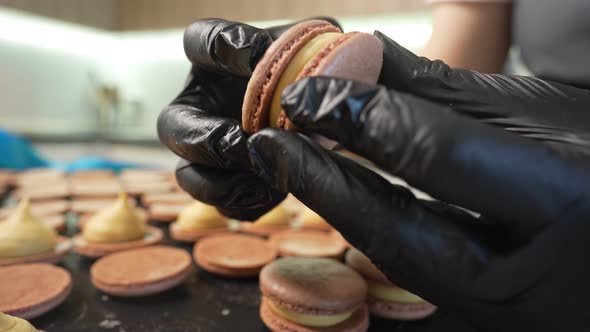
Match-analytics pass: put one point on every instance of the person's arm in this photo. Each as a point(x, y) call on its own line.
point(470, 35)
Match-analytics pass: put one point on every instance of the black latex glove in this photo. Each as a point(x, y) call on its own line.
point(203, 124)
point(515, 150)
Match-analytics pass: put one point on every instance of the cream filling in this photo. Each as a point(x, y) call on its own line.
point(310, 218)
point(13, 324)
point(301, 58)
point(24, 235)
point(199, 216)
point(120, 222)
point(392, 294)
point(310, 320)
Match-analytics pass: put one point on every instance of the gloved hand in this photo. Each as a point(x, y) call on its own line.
point(515, 150)
point(202, 125)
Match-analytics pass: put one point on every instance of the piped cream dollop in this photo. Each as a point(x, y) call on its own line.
point(199, 215)
point(14, 324)
point(120, 222)
point(23, 234)
point(309, 218)
point(279, 216)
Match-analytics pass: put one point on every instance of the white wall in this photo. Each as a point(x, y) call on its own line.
point(45, 69)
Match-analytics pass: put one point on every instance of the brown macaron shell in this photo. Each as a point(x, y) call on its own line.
point(141, 272)
point(313, 285)
point(345, 58)
point(169, 198)
point(400, 311)
point(192, 236)
point(234, 255)
point(61, 249)
point(358, 322)
point(165, 212)
point(94, 249)
point(268, 71)
point(30, 290)
point(262, 230)
point(308, 243)
point(363, 265)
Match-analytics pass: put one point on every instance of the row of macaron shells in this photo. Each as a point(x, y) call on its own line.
point(277, 224)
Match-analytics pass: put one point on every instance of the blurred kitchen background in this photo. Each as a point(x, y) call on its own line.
point(83, 78)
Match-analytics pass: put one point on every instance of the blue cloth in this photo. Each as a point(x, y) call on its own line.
point(18, 154)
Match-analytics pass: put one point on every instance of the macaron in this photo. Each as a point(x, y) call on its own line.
point(234, 255)
point(118, 227)
point(7, 178)
point(40, 208)
point(385, 299)
point(164, 212)
point(176, 198)
point(310, 48)
point(308, 243)
point(39, 175)
point(55, 256)
point(144, 188)
point(25, 238)
point(89, 205)
point(30, 290)
point(199, 220)
point(94, 174)
point(153, 235)
point(144, 175)
point(312, 295)
point(44, 191)
point(95, 188)
point(141, 272)
point(276, 220)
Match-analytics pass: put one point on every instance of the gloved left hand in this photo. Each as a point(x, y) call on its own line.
point(203, 123)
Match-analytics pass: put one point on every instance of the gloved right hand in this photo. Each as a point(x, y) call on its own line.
point(202, 124)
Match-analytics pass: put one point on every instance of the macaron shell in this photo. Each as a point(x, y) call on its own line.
point(30, 290)
point(268, 71)
point(308, 243)
point(354, 56)
point(89, 249)
point(261, 230)
point(320, 285)
point(358, 322)
point(165, 212)
point(400, 311)
point(62, 247)
point(141, 272)
point(192, 236)
point(234, 255)
point(363, 265)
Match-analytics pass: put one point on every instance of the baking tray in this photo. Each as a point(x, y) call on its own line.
point(203, 303)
